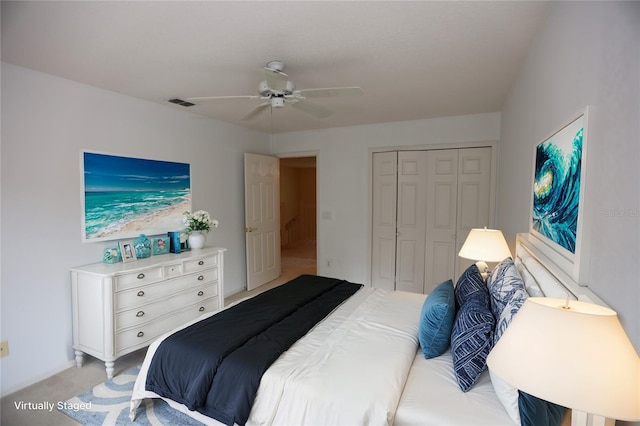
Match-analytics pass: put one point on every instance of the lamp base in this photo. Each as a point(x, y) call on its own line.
point(483, 268)
point(580, 418)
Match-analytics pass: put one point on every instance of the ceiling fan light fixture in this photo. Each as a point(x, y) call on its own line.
point(277, 102)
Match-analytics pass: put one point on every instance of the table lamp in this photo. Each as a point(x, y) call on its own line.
point(485, 245)
point(576, 355)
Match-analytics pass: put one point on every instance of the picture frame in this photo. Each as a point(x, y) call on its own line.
point(160, 245)
point(127, 251)
point(123, 197)
point(557, 215)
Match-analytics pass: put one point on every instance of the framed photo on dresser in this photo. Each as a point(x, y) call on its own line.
point(128, 251)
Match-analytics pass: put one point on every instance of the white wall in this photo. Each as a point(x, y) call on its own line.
point(46, 123)
point(586, 53)
point(343, 186)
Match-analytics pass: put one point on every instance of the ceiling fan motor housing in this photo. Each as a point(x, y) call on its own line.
point(265, 90)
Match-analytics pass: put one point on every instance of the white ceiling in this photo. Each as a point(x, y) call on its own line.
point(412, 59)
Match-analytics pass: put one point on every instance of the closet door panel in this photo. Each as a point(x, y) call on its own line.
point(474, 183)
point(383, 250)
point(441, 213)
point(411, 221)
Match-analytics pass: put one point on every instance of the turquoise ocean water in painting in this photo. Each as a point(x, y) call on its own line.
point(108, 211)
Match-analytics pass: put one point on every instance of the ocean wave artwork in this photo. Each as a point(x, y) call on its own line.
point(125, 197)
point(556, 188)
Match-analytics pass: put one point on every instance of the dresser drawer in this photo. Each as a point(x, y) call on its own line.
point(200, 264)
point(151, 311)
point(139, 278)
point(130, 299)
point(143, 335)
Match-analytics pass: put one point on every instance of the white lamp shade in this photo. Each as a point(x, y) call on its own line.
point(485, 244)
point(579, 358)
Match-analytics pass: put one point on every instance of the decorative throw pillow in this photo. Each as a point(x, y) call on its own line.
point(515, 302)
point(502, 283)
point(535, 411)
point(470, 284)
point(507, 395)
point(471, 341)
point(436, 320)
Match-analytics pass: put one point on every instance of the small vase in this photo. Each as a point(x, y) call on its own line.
point(142, 246)
point(196, 239)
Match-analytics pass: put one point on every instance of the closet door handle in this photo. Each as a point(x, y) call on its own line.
point(201, 309)
point(140, 276)
point(140, 293)
point(140, 333)
point(140, 314)
point(201, 293)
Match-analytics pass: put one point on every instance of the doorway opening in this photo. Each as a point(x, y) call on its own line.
point(298, 227)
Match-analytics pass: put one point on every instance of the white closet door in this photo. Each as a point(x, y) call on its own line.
point(474, 192)
point(411, 222)
point(441, 214)
point(383, 250)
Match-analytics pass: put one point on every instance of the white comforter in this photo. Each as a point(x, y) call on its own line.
point(350, 369)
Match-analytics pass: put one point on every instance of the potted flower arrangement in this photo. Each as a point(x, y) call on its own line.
point(196, 225)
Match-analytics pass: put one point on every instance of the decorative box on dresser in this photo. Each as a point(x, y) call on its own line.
point(122, 307)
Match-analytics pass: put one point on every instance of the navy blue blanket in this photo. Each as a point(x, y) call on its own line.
point(215, 366)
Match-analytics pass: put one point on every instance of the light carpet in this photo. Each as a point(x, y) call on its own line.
point(108, 404)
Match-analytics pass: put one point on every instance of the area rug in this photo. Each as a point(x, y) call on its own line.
point(108, 404)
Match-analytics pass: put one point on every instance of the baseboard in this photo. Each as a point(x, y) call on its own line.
point(38, 378)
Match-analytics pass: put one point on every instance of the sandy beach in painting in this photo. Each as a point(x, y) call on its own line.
point(169, 219)
point(158, 221)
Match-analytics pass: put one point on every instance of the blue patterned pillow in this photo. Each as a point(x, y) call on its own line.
point(502, 283)
point(436, 320)
point(471, 341)
point(470, 284)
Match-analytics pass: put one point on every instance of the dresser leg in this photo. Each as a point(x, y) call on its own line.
point(79, 358)
point(109, 365)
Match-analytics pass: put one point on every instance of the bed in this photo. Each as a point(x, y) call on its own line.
point(366, 362)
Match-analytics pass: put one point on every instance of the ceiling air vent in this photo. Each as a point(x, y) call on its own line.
point(181, 102)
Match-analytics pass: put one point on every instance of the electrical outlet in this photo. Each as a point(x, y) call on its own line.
point(4, 348)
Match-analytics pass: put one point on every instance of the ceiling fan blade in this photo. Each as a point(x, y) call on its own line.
point(257, 110)
point(330, 92)
point(276, 80)
point(220, 98)
point(315, 110)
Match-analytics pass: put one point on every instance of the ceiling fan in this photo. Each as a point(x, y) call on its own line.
point(276, 91)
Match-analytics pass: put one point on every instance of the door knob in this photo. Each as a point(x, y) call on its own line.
point(250, 229)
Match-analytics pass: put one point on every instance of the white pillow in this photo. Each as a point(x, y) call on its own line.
point(508, 396)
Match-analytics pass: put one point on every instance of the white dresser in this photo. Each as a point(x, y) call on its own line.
point(122, 307)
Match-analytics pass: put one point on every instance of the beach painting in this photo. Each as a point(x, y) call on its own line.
point(124, 197)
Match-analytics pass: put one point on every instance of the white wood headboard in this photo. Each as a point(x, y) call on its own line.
point(529, 246)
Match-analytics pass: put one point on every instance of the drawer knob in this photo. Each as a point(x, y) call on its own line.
point(140, 293)
point(140, 276)
point(140, 333)
point(201, 293)
point(201, 263)
point(140, 314)
point(201, 309)
point(201, 277)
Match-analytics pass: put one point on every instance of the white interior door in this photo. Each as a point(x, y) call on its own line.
point(410, 242)
point(262, 218)
point(383, 247)
point(474, 192)
point(442, 199)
